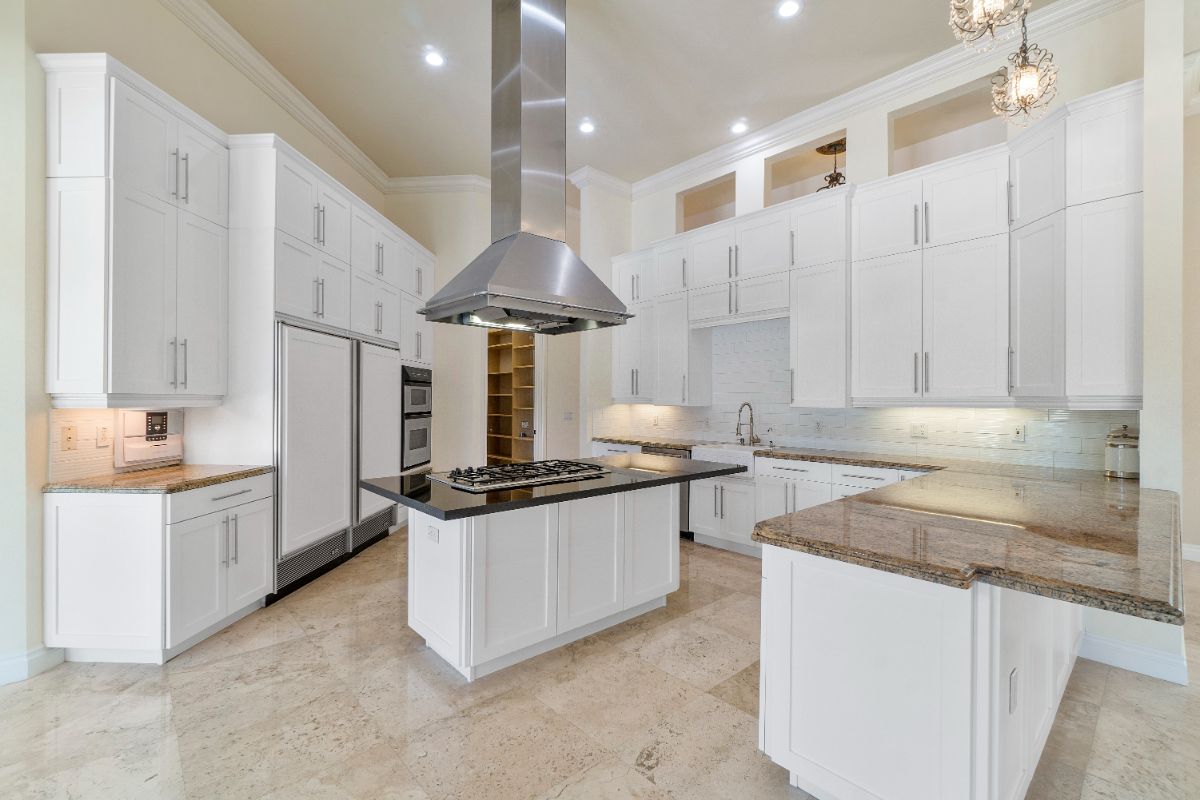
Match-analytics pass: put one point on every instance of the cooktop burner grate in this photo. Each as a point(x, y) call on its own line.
point(512, 476)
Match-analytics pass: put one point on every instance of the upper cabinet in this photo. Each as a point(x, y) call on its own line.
point(670, 268)
point(1104, 145)
point(764, 244)
point(1037, 172)
point(631, 276)
point(310, 208)
point(137, 245)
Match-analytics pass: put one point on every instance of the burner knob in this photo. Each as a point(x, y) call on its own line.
point(456, 472)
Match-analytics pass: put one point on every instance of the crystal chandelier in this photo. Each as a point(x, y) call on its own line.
point(984, 23)
point(1022, 92)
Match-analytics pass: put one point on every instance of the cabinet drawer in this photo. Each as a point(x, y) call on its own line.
point(863, 477)
point(793, 470)
point(840, 492)
point(218, 497)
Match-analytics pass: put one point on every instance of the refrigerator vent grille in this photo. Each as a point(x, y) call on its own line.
point(371, 527)
point(296, 566)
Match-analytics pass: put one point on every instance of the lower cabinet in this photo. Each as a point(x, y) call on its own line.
point(723, 510)
point(774, 497)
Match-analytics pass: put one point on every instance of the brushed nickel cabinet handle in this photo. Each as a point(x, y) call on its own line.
point(232, 494)
point(317, 223)
point(187, 177)
point(916, 384)
point(926, 222)
point(1011, 382)
point(716, 513)
point(792, 245)
point(862, 477)
point(792, 385)
point(174, 345)
point(729, 263)
point(225, 560)
point(722, 502)
point(183, 345)
point(926, 371)
point(916, 224)
point(790, 469)
point(236, 539)
point(683, 271)
point(1010, 204)
point(175, 155)
point(737, 259)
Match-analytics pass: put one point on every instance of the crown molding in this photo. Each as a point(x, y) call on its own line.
point(1063, 15)
point(438, 183)
point(1191, 83)
point(585, 177)
point(233, 47)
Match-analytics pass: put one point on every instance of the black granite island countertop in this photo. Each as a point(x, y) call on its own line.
point(627, 472)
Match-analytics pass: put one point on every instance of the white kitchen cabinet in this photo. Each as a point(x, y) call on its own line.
point(423, 276)
point(204, 180)
point(365, 241)
point(379, 422)
point(651, 542)
point(763, 244)
point(297, 289)
point(314, 457)
point(613, 448)
point(711, 249)
point(1104, 301)
point(297, 211)
point(819, 331)
point(335, 221)
point(722, 513)
point(1037, 301)
point(202, 307)
point(397, 258)
point(966, 320)
point(711, 304)
point(333, 291)
point(1037, 171)
point(775, 497)
point(886, 218)
point(670, 265)
point(591, 560)
point(374, 308)
point(819, 229)
point(683, 360)
point(138, 578)
point(633, 353)
point(886, 326)
point(966, 198)
point(1104, 145)
point(762, 297)
point(416, 332)
point(631, 275)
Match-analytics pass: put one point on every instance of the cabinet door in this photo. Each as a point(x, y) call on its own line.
point(887, 218)
point(625, 350)
point(335, 221)
point(314, 451)
point(422, 274)
point(1037, 173)
point(1104, 298)
point(711, 256)
point(1104, 149)
point(711, 303)
point(334, 275)
point(364, 304)
point(737, 510)
point(806, 494)
point(762, 296)
point(591, 559)
point(365, 252)
point(144, 144)
point(204, 175)
point(1037, 260)
point(966, 319)
point(671, 350)
point(297, 290)
point(424, 342)
point(772, 497)
point(389, 312)
point(514, 581)
point(197, 555)
point(763, 244)
point(819, 233)
point(379, 422)
point(886, 326)
point(670, 270)
point(252, 558)
point(704, 507)
point(202, 305)
point(819, 336)
point(966, 200)
point(624, 279)
point(410, 327)
point(395, 258)
point(143, 354)
point(651, 544)
point(643, 353)
point(296, 208)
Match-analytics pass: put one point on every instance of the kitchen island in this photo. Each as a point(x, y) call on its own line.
point(917, 638)
point(498, 577)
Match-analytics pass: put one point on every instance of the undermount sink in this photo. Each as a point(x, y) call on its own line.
point(742, 454)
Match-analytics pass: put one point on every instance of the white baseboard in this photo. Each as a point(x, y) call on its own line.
point(1135, 658)
point(1191, 552)
point(26, 665)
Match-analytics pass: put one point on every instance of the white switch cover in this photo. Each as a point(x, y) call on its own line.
point(1019, 433)
point(918, 430)
point(68, 438)
point(656, 420)
point(103, 436)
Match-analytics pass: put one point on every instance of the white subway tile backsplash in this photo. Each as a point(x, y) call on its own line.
point(750, 363)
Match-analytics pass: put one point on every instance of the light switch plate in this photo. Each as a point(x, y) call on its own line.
point(68, 438)
point(918, 430)
point(103, 436)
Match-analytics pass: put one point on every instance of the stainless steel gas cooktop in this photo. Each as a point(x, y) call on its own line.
point(515, 476)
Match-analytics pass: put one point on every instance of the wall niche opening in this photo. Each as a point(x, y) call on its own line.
point(801, 170)
point(947, 125)
point(705, 204)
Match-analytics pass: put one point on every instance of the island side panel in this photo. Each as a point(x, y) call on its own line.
point(651, 544)
point(437, 585)
point(591, 560)
point(868, 679)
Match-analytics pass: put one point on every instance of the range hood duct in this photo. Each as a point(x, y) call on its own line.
point(528, 278)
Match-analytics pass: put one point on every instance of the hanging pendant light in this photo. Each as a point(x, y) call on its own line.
point(834, 178)
point(1022, 91)
point(984, 23)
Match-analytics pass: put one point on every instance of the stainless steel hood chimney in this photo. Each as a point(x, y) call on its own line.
point(528, 279)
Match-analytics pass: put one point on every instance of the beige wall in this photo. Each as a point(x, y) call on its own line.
point(1191, 330)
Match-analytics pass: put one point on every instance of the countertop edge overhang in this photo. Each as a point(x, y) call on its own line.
point(158, 480)
point(698, 470)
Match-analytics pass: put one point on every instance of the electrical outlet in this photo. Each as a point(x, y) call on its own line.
point(918, 430)
point(1019, 433)
point(568, 416)
point(818, 426)
point(103, 436)
point(656, 420)
point(67, 438)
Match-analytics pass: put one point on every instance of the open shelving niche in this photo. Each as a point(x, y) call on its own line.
point(511, 383)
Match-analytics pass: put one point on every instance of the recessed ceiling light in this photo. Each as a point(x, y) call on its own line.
point(788, 8)
point(587, 126)
point(739, 127)
point(433, 58)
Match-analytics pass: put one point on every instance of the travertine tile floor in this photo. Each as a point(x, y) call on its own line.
point(327, 694)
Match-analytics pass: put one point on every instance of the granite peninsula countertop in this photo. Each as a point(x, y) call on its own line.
point(627, 472)
point(162, 480)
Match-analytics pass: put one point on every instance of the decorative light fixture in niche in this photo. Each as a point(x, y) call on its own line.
point(1021, 92)
point(834, 149)
point(982, 24)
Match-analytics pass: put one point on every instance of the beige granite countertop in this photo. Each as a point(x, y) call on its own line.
point(163, 480)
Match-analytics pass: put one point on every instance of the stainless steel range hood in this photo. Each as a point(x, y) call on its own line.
point(528, 278)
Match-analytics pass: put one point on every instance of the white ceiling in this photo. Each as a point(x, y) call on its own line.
point(663, 79)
